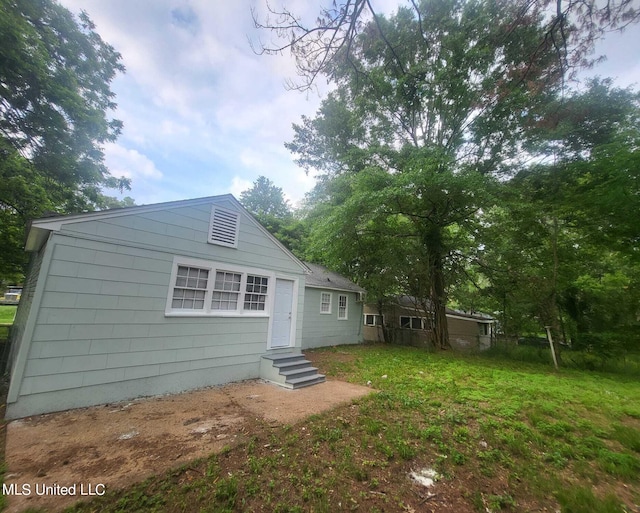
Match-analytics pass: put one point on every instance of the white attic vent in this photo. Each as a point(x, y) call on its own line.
point(224, 227)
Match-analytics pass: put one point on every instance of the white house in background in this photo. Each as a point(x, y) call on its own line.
point(164, 298)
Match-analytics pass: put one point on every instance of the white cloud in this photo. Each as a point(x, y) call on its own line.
point(129, 163)
point(239, 185)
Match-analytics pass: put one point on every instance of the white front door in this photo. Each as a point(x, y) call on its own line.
point(282, 314)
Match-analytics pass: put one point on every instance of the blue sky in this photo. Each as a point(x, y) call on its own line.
point(203, 114)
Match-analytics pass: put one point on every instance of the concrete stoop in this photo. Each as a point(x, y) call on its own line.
point(289, 370)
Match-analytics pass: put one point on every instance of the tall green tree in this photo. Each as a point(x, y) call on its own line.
point(439, 96)
point(433, 100)
point(55, 96)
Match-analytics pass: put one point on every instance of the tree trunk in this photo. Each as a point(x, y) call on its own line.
point(434, 250)
point(554, 309)
point(439, 301)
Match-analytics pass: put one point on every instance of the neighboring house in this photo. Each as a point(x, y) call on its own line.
point(407, 323)
point(12, 295)
point(160, 299)
point(333, 308)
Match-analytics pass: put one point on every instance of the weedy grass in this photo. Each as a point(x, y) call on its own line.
point(502, 435)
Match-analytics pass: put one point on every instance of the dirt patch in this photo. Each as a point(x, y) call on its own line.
point(111, 446)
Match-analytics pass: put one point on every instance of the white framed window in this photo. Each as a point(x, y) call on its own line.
point(325, 302)
point(224, 227)
point(200, 287)
point(255, 297)
point(226, 291)
point(342, 307)
point(373, 320)
point(190, 288)
point(412, 323)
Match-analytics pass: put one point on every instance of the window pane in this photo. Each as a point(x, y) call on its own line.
point(405, 322)
point(416, 323)
point(227, 281)
point(224, 301)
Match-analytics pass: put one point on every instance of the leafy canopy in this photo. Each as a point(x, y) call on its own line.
point(55, 100)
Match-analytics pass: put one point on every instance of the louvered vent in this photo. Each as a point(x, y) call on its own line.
point(223, 229)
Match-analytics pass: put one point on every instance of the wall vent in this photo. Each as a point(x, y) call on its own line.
point(224, 227)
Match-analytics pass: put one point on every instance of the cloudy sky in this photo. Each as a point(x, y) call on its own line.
point(203, 114)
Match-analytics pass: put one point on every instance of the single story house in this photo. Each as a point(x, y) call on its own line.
point(333, 309)
point(164, 298)
point(406, 322)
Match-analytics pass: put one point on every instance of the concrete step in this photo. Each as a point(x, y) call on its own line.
point(298, 373)
point(283, 357)
point(291, 365)
point(290, 370)
point(306, 381)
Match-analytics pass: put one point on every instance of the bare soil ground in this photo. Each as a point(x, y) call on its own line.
point(116, 445)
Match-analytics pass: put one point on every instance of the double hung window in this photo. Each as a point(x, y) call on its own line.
point(226, 291)
point(256, 292)
point(325, 303)
point(342, 308)
point(190, 288)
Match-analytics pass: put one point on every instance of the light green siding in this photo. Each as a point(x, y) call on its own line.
point(321, 330)
point(100, 334)
point(182, 230)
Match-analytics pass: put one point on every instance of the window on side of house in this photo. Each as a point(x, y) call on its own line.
point(372, 320)
point(209, 288)
point(226, 291)
point(342, 307)
point(255, 297)
point(412, 323)
point(190, 288)
point(325, 302)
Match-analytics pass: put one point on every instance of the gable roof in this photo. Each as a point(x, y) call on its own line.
point(322, 278)
point(39, 229)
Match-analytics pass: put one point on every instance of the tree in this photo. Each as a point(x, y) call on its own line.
point(435, 100)
point(55, 73)
point(439, 93)
point(267, 203)
point(570, 29)
point(263, 198)
point(561, 249)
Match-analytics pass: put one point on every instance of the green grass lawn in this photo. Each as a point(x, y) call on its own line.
point(501, 436)
point(7, 312)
